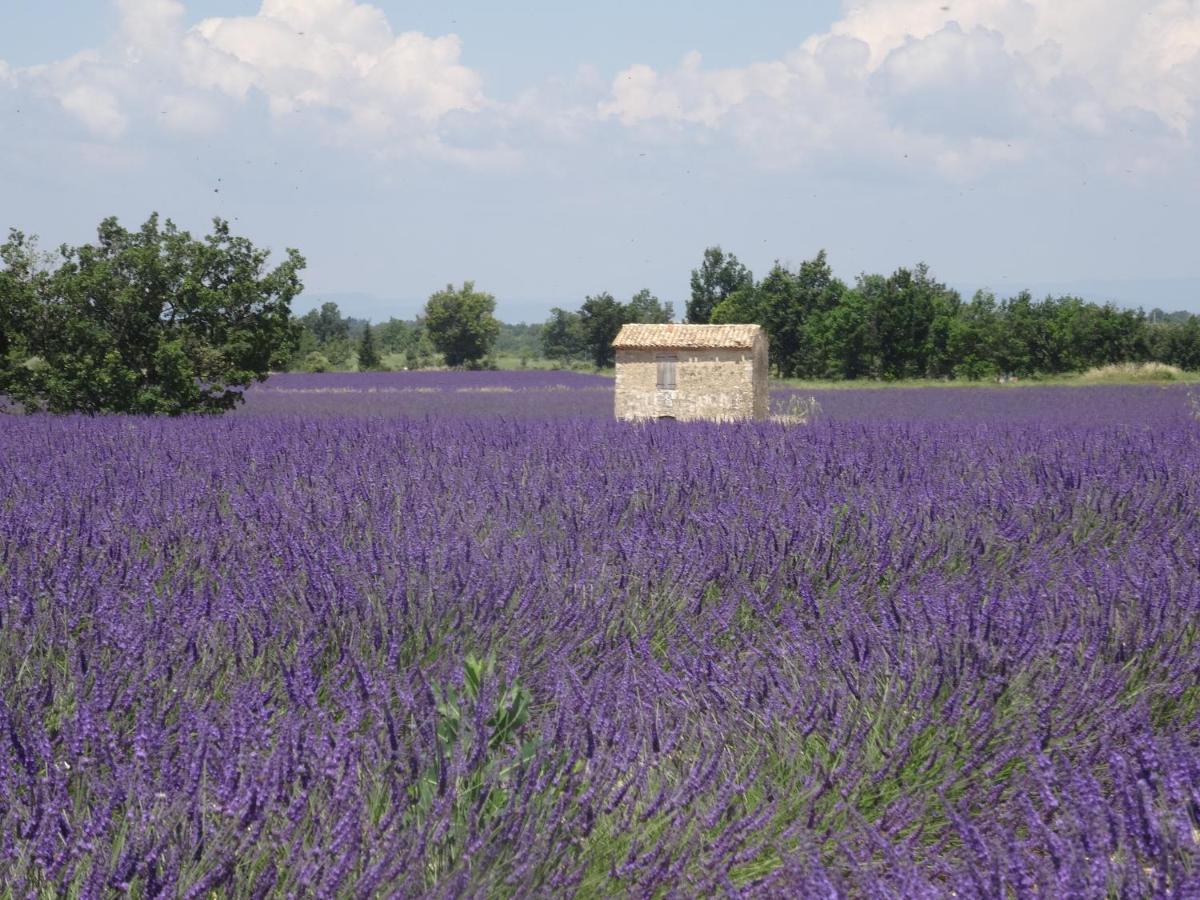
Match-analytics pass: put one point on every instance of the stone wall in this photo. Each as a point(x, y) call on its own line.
point(762, 379)
point(720, 385)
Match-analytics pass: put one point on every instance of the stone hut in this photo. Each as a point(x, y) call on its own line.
point(715, 372)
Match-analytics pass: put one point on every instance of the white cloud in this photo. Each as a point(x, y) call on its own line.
point(332, 65)
point(960, 87)
point(1131, 54)
point(336, 56)
point(192, 113)
point(97, 108)
point(87, 88)
point(694, 95)
point(965, 85)
point(561, 109)
point(150, 26)
point(958, 83)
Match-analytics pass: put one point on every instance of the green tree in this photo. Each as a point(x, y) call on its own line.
point(1183, 343)
point(304, 345)
point(461, 324)
point(315, 362)
point(395, 335)
point(148, 321)
point(369, 359)
point(520, 339)
point(1174, 338)
point(1095, 335)
point(562, 336)
point(720, 275)
point(600, 318)
point(779, 313)
point(327, 323)
point(407, 338)
point(337, 351)
point(24, 281)
point(791, 306)
point(972, 338)
point(644, 307)
point(944, 307)
point(849, 337)
point(1031, 338)
point(742, 307)
point(420, 354)
point(903, 309)
point(816, 291)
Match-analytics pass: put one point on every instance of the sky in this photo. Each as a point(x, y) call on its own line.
point(549, 151)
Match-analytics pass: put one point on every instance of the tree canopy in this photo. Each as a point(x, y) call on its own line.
point(600, 318)
point(562, 336)
point(909, 325)
point(461, 325)
point(146, 321)
point(327, 323)
point(645, 308)
point(368, 354)
point(720, 275)
point(588, 333)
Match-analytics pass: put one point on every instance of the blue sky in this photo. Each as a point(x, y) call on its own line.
point(549, 150)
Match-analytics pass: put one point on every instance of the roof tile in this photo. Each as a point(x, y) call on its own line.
point(687, 337)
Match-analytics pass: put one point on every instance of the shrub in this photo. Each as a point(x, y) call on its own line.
point(316, 362)
point(1140, 372)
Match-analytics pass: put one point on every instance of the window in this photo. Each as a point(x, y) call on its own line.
point(666, 372)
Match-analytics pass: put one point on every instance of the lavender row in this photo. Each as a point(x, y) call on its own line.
point(338, 656)
point(558, 395)
point(511, 395)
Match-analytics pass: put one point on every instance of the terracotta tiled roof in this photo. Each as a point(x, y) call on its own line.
point(687, 337)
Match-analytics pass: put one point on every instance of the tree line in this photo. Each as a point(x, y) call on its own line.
point(910, 325)
point(458, 331)
point(156, 321)
point(899, 326)
point(457, 328)
point(903, 325)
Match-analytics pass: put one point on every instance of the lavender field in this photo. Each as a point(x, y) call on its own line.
point(463, 635)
